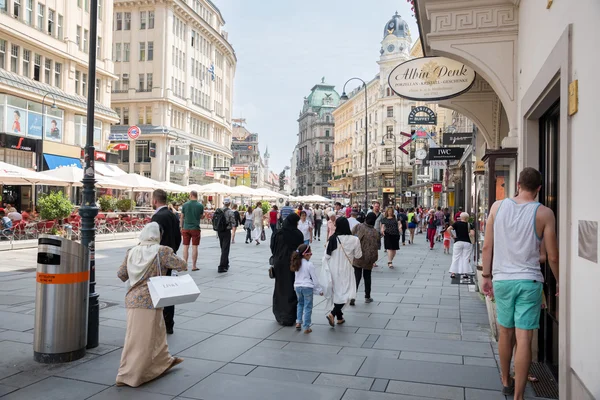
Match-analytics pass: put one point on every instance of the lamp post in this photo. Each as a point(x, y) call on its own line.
point(40, 159)
point(88, 210)
point(344, 97)
point(390, 134)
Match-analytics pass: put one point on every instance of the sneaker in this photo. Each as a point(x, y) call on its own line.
point(368, 300)
point(352, 302)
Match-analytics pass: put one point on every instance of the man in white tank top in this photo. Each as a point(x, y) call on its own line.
point(514, 234)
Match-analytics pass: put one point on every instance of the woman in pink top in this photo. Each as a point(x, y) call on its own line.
point(330, 224)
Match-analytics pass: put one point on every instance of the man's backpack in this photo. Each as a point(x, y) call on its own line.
point(219, 221)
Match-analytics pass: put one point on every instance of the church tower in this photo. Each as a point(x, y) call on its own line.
point(266, 157)
point(395, 47)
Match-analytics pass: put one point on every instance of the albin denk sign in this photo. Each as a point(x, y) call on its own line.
point(431, 78)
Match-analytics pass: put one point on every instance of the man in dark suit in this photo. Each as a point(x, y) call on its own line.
point(171, 237)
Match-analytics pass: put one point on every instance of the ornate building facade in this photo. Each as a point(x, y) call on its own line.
point(314, 151)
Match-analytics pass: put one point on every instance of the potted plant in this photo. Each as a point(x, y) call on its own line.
point(125, 204)
point(54, 206)
point(107, 203)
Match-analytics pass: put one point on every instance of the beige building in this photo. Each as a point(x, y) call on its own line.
point(534, 103)
point(175, 71)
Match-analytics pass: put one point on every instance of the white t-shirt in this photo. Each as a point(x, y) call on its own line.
point(304, 228)
point(307, 277)
point(353, 222)
point(15, 216)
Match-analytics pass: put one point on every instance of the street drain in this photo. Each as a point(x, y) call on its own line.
point(546, 386)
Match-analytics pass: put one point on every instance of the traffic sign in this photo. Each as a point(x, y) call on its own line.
point(134, 132)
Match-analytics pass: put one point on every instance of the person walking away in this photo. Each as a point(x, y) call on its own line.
point(223, 221)
point(403, 219)
point(286, 210)
point(369, 244)
point(318, 222)
point(446, 232)
point(191, 214)
point(257, 216)
point(238, 221)
point(447, 216)
point(342, 249)
point(305, 285)
point(461, 253)
point(352, 220)
point(412, 225)
point(305, 226)
point(516, 230)
point(432, 223)
point(457, 214)
point(248, 224)
point(439, 215)
point(145, 353)
point(390, 230)
point(171, 237)
point(376, 208)
point(331, 224)
point(273, 218)
point(283, 244)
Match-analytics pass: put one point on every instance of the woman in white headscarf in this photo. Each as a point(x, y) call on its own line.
point(145, 353)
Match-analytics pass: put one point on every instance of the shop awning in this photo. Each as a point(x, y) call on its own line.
point(109, 170)
point(60, 161)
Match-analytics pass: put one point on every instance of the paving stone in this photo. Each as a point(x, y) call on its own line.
point(433, 335)
point(380, 385)
point(426, 390)
point(231, 387)
point(182, 377)
point(16, 322)
point(379, 332)
point(440, 346)
point(273, 344)
point(237, 369)
point(321, 335)
point(345, 381)
point(312, 348)
point(220, 348)
point(370, 352)
point(127, 393)
point(353, 394)
point(477, 394)
point(417, 312)
point(254, 328)
point(484, 362)
point(447, 327)
point(14, 336)
point(103, 369)
point(282, 374)
point(423, 326)
point(211, 323)
point(262, 299)
point(54, 388)
point(443, 358)
point(6, 389)
point(241, 309)
point(331, 363)
point(431, 372)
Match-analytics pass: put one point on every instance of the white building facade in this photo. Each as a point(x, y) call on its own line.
point(175, 71)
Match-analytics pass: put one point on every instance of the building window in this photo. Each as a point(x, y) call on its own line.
point(77, 81)
point(127, 24)
point(118, 111)
point(149, 82)
point(125, 82)
point(57, 72)
point(79, 3)
point(86, 35)
point(29, 12)
point(327, 133)
point(326, 148)
point(50, 22)
point(388, 155)
point(37, 67)
point(84, 82)
point(14, 58)
point(141, 83)
point(389, 130)
point(47, 71)
point(150, 51)
point(59, 26)
point(26, 60)
point(126, 52)
point(142, 51)
point(150, 19)
point(143, 21)
point(149, 115)
point(117, 55)
point(116, 84)
point(390, 111)
point(119, 24)
point(142, 153)
point(40, 16)
point(141, 116)
point(98, 85)
point(78, 37)
point(100, 9)
point(2, 53)
point(99, 48)
point(125, 115)
point(17, 8)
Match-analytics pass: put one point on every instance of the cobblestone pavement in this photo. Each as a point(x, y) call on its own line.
point(421, 338)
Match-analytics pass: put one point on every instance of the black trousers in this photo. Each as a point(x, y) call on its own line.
point(337, 311)
point(403, 235)
point(248, 235)
point(225, 241)
point(318, 224)
point(169, 311)
point(366, 273)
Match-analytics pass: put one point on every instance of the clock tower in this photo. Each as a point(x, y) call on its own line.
point(395, 46)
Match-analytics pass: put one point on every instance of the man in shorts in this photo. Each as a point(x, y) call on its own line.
point(191, 214)
point(513, 238)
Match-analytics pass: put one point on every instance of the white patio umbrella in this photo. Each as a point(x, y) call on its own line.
point(139, 183)
point(13, 175)
point(267, 194)
point(244, 191)
point(215, 188)
point(74, 175)
point(173, 187)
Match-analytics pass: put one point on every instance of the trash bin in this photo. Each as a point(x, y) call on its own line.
point(61, 302)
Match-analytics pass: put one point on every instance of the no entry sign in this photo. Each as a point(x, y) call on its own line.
point(134, 132)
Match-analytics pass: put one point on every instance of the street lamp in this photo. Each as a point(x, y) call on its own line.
point(390, 134)
point(344, 97)
point(88, 210)
point(40, 160)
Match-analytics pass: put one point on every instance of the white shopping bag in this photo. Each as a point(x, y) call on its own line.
point(172, 290)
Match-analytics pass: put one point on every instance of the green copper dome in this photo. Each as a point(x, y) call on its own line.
point(323, 95)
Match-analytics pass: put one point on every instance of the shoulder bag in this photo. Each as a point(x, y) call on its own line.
point(344, 251)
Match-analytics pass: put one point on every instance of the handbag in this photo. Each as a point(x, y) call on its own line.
point(271, 268)
point(171, 290)
point(344, 251)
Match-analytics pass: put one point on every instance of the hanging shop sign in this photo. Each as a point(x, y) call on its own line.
point(446, 153)
point(388, 190)
point(438, 164)
point(17, 143)
point(431, 78)
point(422, 115)
point(118, 146)
point(221, 169)
point(457, 138)
point(117, 137)
point(134, 132)
point(437, 187)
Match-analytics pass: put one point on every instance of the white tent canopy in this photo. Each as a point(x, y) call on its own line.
point(242, 190)
point(74, 175)
point(13, 175)
point(213, 188)
point(139, 183)
point(172, 187)
point(110, 170)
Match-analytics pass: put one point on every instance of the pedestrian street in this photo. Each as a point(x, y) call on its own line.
point(422, 337)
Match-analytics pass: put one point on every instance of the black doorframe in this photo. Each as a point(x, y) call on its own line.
point(549, 134)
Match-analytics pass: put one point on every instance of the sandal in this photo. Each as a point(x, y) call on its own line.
point(176, 361)
point(452, 276)
point(510, 389)
point(341, 321)
point(532, 378)
point(298, 327)
point(307, 331)
point(390, 265)
point(195, 269)
point(330, 319)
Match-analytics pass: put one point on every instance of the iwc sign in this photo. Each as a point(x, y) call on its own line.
point(425, 116)
point(431, 78)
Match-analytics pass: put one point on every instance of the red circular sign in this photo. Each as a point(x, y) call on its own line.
point(134, 132)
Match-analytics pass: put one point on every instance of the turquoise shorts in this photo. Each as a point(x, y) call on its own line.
point(518, 303)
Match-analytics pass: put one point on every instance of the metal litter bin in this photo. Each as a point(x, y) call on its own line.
point(61, 302)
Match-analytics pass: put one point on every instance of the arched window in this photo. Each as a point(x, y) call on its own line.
point(327, 118)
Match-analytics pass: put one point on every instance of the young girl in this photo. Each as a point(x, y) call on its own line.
point(447, 238)
point(305, 284)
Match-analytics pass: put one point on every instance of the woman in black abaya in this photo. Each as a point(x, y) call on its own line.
point(283, 244)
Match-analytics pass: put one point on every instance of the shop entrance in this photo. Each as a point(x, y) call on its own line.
point(18, 196)
point(549, 167)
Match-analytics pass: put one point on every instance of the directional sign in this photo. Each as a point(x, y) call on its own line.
point(134, 132)
point(446, 153)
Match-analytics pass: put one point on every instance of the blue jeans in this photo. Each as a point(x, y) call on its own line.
point(305, 305)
